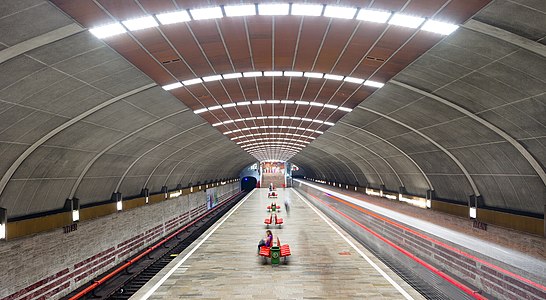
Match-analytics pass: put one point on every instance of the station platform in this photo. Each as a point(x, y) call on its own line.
point(326, 262)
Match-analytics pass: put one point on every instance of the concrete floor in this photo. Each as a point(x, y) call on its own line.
point(326, 263)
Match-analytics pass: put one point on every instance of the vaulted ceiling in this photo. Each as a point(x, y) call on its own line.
point(146, 104)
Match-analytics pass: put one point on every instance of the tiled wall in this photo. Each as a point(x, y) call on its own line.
point(51, 264)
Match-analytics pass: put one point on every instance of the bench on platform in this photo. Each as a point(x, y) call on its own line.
point(278, 220)
point(265, 251)
point(268, 221)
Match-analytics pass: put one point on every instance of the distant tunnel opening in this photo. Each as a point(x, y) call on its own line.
point(248, 183)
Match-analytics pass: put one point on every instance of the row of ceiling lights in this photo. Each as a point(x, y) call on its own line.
point(253, 74)
point(275, 118)
point(272, 133)
point(277, 9)
point(262, 102)
point(273, 127)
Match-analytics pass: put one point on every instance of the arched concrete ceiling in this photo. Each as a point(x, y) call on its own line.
point(84, 117)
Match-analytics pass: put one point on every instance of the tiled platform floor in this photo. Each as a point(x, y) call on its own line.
point(322, 266)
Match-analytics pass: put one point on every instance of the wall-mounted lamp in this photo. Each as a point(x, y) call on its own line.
point(146, 193)
point(472, 212)
point(116, 197)
point(74, 206)
point(3, 223)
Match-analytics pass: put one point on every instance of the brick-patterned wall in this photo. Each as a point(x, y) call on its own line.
point(51, 264)
point(456, 259)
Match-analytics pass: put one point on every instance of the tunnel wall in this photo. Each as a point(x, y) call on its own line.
point(51, 264)
point(449, 258)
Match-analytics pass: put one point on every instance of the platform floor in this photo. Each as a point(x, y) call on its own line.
point(326, 263)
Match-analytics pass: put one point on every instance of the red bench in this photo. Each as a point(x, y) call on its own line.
point(265, 252)
point(278, 221)
point(268, 221)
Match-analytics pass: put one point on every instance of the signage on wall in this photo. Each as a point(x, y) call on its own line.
point(70, 228)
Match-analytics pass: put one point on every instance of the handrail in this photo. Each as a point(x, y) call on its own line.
point(137, 258)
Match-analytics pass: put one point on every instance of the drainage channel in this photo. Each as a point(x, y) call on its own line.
point(128, 282)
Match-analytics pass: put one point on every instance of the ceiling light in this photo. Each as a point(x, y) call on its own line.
point(284, 117)
point(173, 17)
point(293, 73)
point(354, 80)
point(240, 10)
point(192, 81)
point(228, 121)
point(215, 107)
point(243, 103)
point(262, 117)
point(217, 124)
point(302, 103)
point(329, 123)
point(172, 86)
point(212, 78)
point(140, 23)
point(287, 102)
point(374, 83)
point(330, 106)
point(345, 109)
point(339, 12)
point(273, 101)
point(316, 104)
point(198, 111)
point(272, 73)
point(206, 13)
point(229, 105)
point(280, 9)
point(306, 119)
point(306, 9)
point(107, 30)
point(252, 74)
point(272, 117)
point(295, 118)
point(439, 27)
point(312, 75)
point(318, 121)
point(406, 21)
point(373, 16)
point(258, 102)
point(232, 75)
point(333, 77)
point(319, 132)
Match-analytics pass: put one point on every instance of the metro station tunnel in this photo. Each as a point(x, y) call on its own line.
point(228, 149)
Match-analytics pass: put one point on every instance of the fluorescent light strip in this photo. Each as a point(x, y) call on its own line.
point(171, 86)
point(375, 16)
point(406, 21)
point(192, 81)
point(339, 12)
point(280, 9)
point(173, 17)
point(206, 13)
point(306, 9)
point(439, 27)
point(140, 23)
point(240, 10)
point(374, 83)
point(109, 30)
